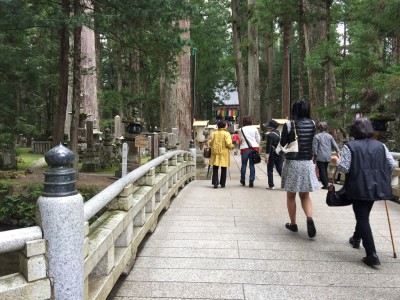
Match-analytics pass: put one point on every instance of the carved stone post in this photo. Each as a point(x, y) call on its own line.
point(60, 215)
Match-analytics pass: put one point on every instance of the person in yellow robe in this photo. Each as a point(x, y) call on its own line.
point(220, 144)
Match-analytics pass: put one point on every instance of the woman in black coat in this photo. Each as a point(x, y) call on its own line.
point(368, 166)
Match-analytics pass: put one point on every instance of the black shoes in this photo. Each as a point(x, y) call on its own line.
point(251, 184)
point(311, 227)
point(355, 242)
point(371, 260)
point(292, 227)
point(242, 182)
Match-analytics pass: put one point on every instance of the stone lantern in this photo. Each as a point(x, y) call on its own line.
point(133, 128)
point(199, 128)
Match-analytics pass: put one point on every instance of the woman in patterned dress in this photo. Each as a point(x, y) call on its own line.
point(298, 175)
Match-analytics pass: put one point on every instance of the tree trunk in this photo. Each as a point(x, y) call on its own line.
point(76, 102)
point(330, 83)
point(301, 51)
point(240, 73)
point(89, 76)
point(99, 72)
point(253, 65)
point(61, 107)
point(286, 76)
point(175, 104)
point(316, 29)
point(265, 108)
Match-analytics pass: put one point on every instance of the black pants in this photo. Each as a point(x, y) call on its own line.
point(222, 180)
point(323, 172)
point(274, 160)
point(362, 210)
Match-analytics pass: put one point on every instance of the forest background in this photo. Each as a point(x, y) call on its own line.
point(343, 56)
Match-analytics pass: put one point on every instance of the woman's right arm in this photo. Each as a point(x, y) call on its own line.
point(345, 160)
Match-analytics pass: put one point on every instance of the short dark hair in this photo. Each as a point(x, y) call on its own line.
point(300, 109)
point(247, 121)
point(361, 129)
point(221, 124)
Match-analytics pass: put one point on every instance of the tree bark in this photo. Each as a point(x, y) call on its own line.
point(61, 107)
point(286, 76)
point(316, 29)
point(253, 65)
point(240, 72)
point(76, 103)
point(89, 75)
point(175, 101)
point(330, 83)
point(301, 51)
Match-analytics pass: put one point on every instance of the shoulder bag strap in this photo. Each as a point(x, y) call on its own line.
point(246, 139)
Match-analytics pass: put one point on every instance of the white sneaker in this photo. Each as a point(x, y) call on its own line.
point(271, 188)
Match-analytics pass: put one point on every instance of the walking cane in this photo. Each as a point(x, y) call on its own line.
point(390, 229)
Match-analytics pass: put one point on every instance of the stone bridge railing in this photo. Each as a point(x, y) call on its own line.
point(65, 257)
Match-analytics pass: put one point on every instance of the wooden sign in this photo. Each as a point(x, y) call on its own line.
point(141, 141)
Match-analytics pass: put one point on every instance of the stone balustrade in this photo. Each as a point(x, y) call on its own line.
point(111, 242)
point(31, 282)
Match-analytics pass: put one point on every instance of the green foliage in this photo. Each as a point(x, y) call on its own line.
point(214, 65)
point(19, 209)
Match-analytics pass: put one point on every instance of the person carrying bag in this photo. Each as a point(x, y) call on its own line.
point(254, 155)
point(250, 134)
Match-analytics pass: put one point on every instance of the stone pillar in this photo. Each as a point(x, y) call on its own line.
point(117, 127)
point(60, 215)
point(192, 149)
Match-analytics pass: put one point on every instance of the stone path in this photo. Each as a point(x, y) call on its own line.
point(231, 244)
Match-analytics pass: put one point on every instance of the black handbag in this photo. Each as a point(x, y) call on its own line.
point(207, 152)
point(254, 155)
point(338, 198)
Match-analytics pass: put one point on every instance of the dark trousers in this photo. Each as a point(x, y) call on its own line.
point(323, 172)
point(274, 160)
point(222, 180)
point(363, 231)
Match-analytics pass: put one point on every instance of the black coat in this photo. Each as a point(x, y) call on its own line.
point(305, 129)
point(369, 176)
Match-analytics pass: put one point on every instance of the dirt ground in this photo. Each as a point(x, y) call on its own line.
point(35, 175)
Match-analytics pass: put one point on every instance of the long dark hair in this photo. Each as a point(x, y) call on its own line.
point(301, 109)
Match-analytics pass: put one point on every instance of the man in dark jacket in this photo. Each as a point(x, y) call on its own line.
point(271, 157)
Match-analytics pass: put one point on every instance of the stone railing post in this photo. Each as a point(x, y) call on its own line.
point(192, 149)
point(60, 215)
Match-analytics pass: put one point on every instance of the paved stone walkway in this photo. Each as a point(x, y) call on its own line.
point(231, 244)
